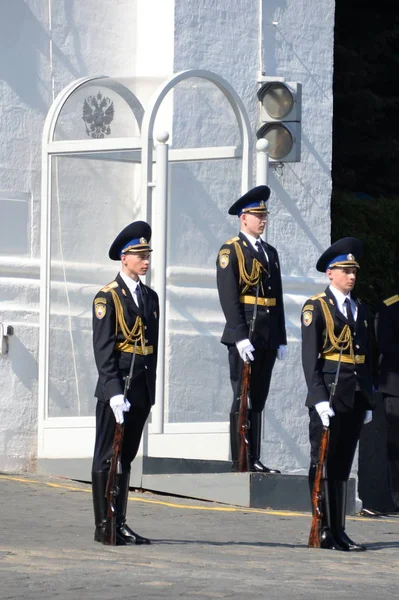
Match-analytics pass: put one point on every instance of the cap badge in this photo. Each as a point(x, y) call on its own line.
point(143, 240)
point(350, 257)
point(262, 204)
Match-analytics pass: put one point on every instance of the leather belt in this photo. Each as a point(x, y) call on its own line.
point(358, 359)
point(125, 347)
point(261, 301)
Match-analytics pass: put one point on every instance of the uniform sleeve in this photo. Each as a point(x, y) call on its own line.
point(104, 323)
point(227, 278)
point(156, 333)
point(312, 323)
point(385, 331)
point(280, 300)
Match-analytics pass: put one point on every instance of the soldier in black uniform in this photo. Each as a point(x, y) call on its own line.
point(387, 334)
point(124, 312)
point(246, 264)
point(333, 320)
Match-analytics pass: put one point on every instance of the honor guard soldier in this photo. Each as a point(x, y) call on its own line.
point(387, 334)
point(336, 335)
point(248, 273)
point(125, 318)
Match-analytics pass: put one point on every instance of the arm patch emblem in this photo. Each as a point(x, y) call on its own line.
point(100, 310)
point(223, 260)
point(307, 317)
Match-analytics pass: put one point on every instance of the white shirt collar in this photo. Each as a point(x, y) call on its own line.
point(131, 283)
point(340, 298)
point(252, 240)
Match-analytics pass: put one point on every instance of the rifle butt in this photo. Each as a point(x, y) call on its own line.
point(315, 534)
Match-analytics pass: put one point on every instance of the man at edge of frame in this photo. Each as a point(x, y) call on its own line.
point(333, 320)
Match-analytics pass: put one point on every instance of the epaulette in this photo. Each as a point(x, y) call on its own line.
point(321, 295)
point(110, 286)
point(234, 239)
point(392, 300)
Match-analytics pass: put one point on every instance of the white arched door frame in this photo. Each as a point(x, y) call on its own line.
point(244, 151)
point(57, 428)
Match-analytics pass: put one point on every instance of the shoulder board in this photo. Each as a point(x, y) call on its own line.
point(322, 295)
point(234, 239)
point(392, 300)
point(110, 286)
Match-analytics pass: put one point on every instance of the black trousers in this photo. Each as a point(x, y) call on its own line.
point(345, 430)
point(391, 408)
point(261, 374)
point(134, 422)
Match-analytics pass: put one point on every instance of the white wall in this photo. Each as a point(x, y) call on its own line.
point(225, 38)
point(46, 45)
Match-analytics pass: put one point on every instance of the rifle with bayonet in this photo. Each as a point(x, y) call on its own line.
point(244, 402)
point(112, 489)
point(319, 497)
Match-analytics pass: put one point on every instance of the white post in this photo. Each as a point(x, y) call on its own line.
point(262, 169)
point(160, 220)
point(262, 162)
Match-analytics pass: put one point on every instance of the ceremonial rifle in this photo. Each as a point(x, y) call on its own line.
point(112, 489)
point(318, 494)
point(244, 401)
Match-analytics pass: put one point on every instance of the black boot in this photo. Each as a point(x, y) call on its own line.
point(256, 465)
point(339, 491)
point(234, 441)
point(327, 540)
point(122, 528)
point(100, 505)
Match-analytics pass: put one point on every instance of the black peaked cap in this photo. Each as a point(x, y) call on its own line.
point(138, 233)
point(252, 201)
point(342, 253)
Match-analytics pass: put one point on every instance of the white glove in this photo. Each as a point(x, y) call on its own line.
point(325, 412)
point(368, 417)
point(245, 349)
point(119, 406)
point(282, 352)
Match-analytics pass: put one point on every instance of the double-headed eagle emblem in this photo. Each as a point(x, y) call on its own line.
point(98, 113)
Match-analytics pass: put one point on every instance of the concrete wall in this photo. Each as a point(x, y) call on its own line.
point(46, 45)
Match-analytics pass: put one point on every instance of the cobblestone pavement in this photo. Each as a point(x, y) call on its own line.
point(200, 550)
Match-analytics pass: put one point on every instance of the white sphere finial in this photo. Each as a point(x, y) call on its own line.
point(262, 145)
point(162, 137)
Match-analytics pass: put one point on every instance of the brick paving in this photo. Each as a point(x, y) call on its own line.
point(199, 550)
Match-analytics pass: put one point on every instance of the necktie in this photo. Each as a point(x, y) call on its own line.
point(262, 254)
point(140, 299)
point(349, 313)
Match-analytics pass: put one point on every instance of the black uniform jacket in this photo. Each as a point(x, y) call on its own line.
point(269, 329)
point(387, 334)
point(319, 370)
point(113, 364)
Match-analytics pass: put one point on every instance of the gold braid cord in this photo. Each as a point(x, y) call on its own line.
point(246, 279)
point(136, 333)
point(344, 340)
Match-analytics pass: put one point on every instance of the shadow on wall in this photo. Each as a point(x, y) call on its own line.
point(23, 363)
point(24, 44)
